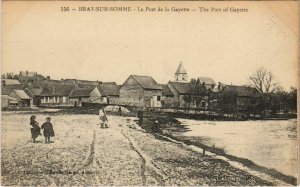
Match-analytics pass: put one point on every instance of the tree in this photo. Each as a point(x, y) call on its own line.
point(292, 99)
point(263, 81)
point(227, 103)
point(8, 76)
point(193, 81)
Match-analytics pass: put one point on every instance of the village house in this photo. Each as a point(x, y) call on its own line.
point(86, 94)
point(56, 94)
point(245, 96)
point(111, 92)
point(141, 91)
point(6, 100)
point(167, 99)
point(34, 90)
point(189, 95)
point(79, 92)
point(23, 99)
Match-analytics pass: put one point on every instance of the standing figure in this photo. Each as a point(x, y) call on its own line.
point(103, 118)
point(140, 116)
point(48, 130)
point(35, 128)
point(120, 111)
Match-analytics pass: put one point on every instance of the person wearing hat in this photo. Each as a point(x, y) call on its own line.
point(48, 130)
point(35, 128)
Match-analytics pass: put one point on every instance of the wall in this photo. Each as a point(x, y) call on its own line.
point(150, 98)
point(131, 93)
point(4, 102)
point(59, 101)
point(169, 102)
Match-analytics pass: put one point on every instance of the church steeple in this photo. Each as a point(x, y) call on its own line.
point(180, 74)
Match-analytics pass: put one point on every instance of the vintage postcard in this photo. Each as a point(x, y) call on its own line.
point(149, 93)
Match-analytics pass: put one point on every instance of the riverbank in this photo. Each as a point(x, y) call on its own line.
point(81, 153)
point(169, 127)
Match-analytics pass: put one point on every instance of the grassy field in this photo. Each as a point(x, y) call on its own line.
point(82, 153)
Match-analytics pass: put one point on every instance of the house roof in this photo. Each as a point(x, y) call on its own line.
point(207, 80)
point(6, 90)
point(29, 93)
point(147, 82)
point(188, 88)
point(82, 92)
point(57, 90)
point(110, 88)
point(76, 81)
point(180, 69)
point(48, 82)
point(166, 90)
point(10, 81)
point(35, 88)
point(20, 94)
point(242, 91)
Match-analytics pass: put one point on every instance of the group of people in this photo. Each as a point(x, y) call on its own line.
point(36, 129)
point(48, 127)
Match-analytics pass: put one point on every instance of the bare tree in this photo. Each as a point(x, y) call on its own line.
point(263, 81)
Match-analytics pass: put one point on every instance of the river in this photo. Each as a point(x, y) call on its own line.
point(272, 144)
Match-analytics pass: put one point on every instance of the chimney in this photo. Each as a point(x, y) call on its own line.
point(48, 77)
point(3, 83)
point(26, 72)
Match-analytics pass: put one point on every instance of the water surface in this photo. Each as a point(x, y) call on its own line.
point(268, 143)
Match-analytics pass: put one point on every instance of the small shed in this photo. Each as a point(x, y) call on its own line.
point(23, 99)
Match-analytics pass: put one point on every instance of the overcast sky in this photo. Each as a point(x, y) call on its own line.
point(227, 47)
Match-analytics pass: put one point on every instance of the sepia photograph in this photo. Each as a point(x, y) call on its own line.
point(149, 93)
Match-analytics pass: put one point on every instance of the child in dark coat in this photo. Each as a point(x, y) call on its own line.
point(35, 128)
point(48, 130)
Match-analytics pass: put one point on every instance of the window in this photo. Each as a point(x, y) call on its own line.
point(64, 99)
point(158, 98)
point(57, 99)
point(203, 104)
point(54, 99)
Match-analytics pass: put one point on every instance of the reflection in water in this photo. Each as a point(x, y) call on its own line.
point(268, 143)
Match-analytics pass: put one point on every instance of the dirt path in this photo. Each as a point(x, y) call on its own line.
point(82, 153)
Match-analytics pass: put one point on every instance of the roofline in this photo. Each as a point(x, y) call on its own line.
point(29, 91)
point(141, 84)
point(103, 90)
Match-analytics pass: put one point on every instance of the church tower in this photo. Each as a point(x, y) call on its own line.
point(180, 74)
